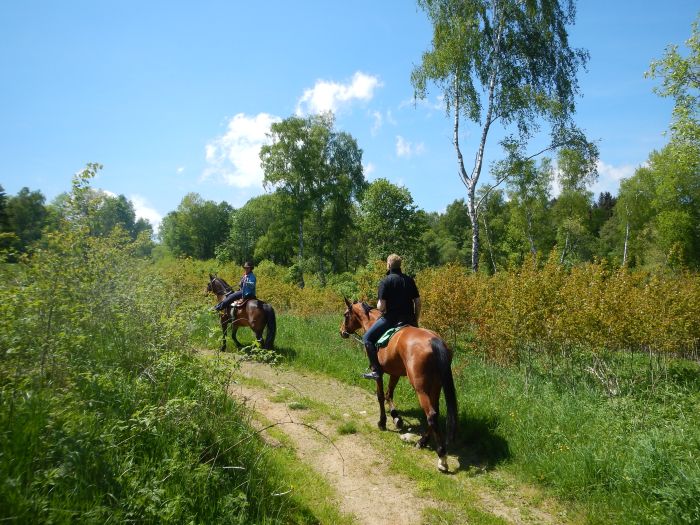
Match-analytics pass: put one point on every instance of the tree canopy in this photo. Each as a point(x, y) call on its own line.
point(507, 62)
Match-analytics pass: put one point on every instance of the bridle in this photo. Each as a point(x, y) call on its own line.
point(346, 334)
point(223, 288)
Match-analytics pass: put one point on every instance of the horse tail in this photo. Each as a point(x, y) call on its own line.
point(448, 386)
point(271, 318)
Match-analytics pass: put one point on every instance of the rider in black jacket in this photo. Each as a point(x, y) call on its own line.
point(399, 302)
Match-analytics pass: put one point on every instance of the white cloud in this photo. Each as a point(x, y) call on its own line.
point(331, 96)
point(609, 177)
point(180, 170)
point(234, 156)
point(407, 149)
point(378, 121)
point(368, 169)
point(143, 210)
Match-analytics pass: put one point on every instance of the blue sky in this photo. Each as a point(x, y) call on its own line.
point(176, 97)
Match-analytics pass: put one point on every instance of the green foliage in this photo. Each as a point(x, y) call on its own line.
point(106, 413)
point(22, 219)
point(391, 222)
point(477, 60)
point(659, 209)
point(318, 173)
point(196, 228)
point(627, 458)
point(681, 82)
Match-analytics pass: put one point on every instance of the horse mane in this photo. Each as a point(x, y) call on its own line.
point(224, 283)
point(366, 307)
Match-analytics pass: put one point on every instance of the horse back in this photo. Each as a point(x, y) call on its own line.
point(411, 349)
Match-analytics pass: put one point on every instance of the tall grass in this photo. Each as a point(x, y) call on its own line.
point(629, 458)
point(106, 415)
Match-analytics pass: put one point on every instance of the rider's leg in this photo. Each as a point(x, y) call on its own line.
point(370, 340)
point(226, 302)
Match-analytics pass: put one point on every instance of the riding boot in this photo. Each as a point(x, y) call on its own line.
point(376, 372)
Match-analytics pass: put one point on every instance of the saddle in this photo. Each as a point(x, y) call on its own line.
point(384, 339)
point(240, 303)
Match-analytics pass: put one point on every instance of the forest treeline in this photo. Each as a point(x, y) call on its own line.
point(653, 222)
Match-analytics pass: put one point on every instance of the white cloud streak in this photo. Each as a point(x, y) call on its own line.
point(333, 96)
point(234, 157)
point(408, 149)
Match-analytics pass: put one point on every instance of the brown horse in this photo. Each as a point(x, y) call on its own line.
point(424, 357)
point(254, 313)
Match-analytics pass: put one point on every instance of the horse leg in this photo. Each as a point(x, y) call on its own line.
point(380, 398)
point(224, 328)
point(398, 422)
point(234, 330)
point(259, 337)
point(430, 405)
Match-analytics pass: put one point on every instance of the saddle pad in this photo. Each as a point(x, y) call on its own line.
point(384, 339)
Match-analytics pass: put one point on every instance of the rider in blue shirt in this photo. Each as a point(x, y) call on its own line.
point(246, 288)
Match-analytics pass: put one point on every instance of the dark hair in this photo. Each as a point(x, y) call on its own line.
point(248, 264)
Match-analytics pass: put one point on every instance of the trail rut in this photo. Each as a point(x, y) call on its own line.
point(365, 487)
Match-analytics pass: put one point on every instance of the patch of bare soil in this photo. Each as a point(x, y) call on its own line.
point(358, 471)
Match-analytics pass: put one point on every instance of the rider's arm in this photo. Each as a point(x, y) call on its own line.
point(381, 305)
point(416, 308)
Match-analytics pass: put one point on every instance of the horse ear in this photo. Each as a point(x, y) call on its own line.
point(211, 277)
point(347, 302)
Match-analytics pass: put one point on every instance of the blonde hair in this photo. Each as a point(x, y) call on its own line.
point(393, 262)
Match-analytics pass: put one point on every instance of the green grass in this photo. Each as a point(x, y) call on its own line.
point(630, 458)
point(348, 427)
point(106, 415)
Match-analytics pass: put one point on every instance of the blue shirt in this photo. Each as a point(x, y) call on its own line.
point(247, 285)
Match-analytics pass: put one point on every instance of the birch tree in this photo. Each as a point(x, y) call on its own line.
point(507, 63)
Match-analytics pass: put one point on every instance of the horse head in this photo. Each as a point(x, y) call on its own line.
point(351, 319)
point(217, 285)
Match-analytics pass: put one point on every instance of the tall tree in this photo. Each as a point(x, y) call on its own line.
point(319, 171)
point(196, 228)
point(681, 81)
point(507, 62)
point(289, 163)
point(391, 222)
point(26, 216)
point(529, 187)
point(3, 210)
point(345, 182)
point(572, 209)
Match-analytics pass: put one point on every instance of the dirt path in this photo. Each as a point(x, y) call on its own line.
point(352, 464)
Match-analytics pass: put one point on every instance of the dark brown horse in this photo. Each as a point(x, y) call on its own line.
point(254, 313)
point(424, 357)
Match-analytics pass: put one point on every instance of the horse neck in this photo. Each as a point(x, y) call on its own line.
point(368, 319)
point(221, 293)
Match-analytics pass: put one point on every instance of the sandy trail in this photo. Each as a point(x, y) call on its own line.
point(353, 467)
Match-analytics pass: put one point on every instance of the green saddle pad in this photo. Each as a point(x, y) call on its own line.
point(384, 339)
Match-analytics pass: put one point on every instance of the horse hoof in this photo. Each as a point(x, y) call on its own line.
point(421, 444)
point(382, 426)
point(442, 464)
point(398, 422)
